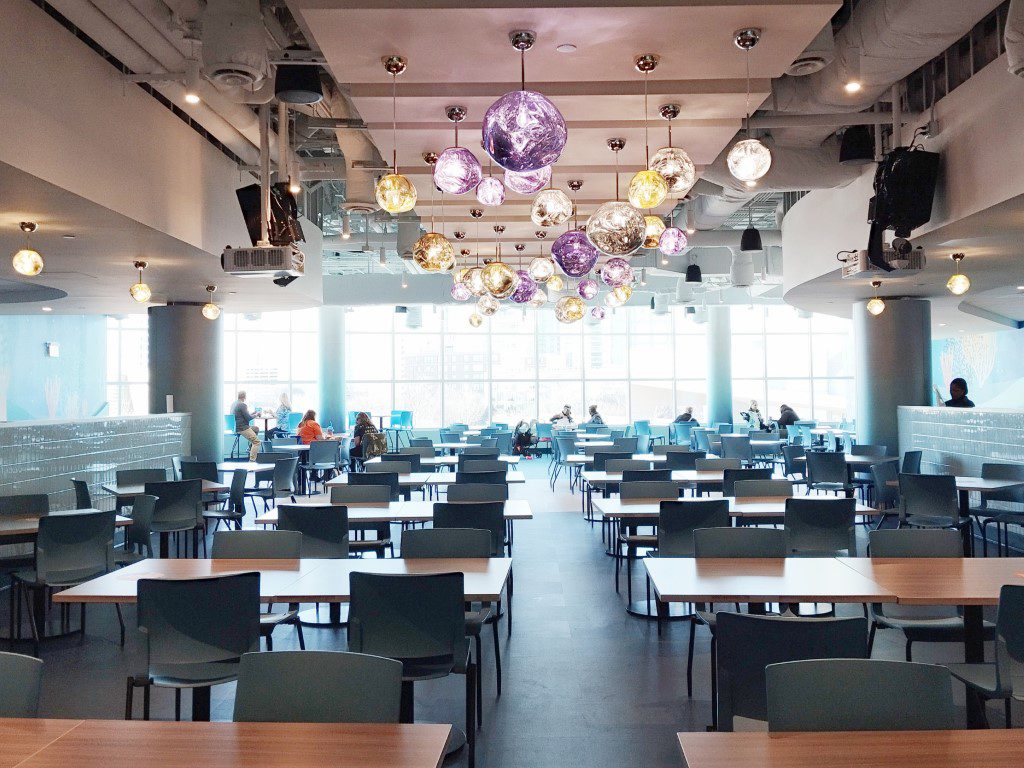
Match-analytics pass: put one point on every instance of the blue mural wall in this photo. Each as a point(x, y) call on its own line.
point(34, 385)
point(992, 364)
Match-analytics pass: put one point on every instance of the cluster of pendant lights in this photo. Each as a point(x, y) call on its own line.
point(958, 284)
point(524, 134)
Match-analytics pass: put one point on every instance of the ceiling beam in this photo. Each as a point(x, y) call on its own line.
point(759, 87)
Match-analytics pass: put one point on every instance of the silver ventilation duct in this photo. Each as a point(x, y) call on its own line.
point(1013, 38)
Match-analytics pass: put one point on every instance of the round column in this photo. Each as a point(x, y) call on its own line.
point(332, 367)
point(719, 350)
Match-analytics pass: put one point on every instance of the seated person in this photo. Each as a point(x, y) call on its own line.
point(787, 416)
point(564, 415)
point(687, 416)
point(523, 439)
point(309, 430)
point(364, 426)
point(595, 417)
point(281, 414)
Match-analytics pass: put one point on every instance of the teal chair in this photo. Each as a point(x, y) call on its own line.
point(643, 429)
point(292, 422)
point(681, 432)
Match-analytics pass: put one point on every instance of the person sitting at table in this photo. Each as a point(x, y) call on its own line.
point(595, 417)
point(284, 409)
point(787, 416)
point(523, 440)
point(244, 425)
point(564, 415)
point(687, 416)
point(958, 395)
point(309, 430)
point(364, 427)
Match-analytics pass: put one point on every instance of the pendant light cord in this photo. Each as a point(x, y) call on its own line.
point(522, 69)
point(647, 142)
point(746, 60)
point(394, 121)
point(616, 175)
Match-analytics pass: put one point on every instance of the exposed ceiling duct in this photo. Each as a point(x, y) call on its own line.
point(359, 151)
point(1013, 37)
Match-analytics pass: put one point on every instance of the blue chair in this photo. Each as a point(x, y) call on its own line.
point(500, 427)
point(460, 428)
point(681, 432)
point(544, 436)
point(643, 429)
point(292, 422)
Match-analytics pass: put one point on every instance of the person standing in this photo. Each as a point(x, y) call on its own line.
point(958, 394)
point(244, 425)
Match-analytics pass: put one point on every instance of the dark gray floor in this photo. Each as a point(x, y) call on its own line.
point(585, 684)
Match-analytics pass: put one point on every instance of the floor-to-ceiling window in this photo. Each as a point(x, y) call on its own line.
point(127, 365)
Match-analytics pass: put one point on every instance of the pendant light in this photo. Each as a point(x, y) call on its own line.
point(616, 228)
point(572, 250)
point(210, 310)
point(542, 268)
point(499, 278)
point(523, 130)
point(672, 242)
point(457, 171)
point(749, 159)
point(875, 305)
point(570, 309)
point(693, 274)
point(433, 252)
point(27, 261)
point(395, 193)
point(647, 189)
point(750, 240)
point(140, 291)
point(959, 283)
point(674, 165)
point(490, 191)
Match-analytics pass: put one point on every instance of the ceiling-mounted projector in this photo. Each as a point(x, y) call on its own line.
point(278, 261)
point(859, 265)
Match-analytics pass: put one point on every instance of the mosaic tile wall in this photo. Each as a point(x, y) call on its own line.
point(44, 456)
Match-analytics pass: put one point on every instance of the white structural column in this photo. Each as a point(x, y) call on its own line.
point(332, 367)
point(186, 361)
point(893, 365)
point(719, 350)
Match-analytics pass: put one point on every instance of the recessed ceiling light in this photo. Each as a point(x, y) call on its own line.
point(46, 309)
point(1020, 287)
point(959, 330)
point(68, 237)
point(566, 48)
point(942, 325)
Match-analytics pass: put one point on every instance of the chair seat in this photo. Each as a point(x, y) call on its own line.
point(193, 675)
point(368, 545)
point(928, 521)
point(31, 578)
point(268, 621)
point(121, 559)
point(998, 516)
point(435, 667)
point(174, 526)
point(830, 486)
point(949, 629)
point(980, 677)
point(222, 514)
point(637, 540)
point(320, 466)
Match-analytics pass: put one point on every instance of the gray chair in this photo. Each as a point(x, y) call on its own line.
point(138, 542)
point(919, 623)
point(21, 679)
point(664, 450)
point(745, 645)
point(178, 509)
point(731, 476)
point(678, 520)
point(886, 495)
point(199, 470)
point(194, 633)
point(361, 494)
point(323, 461)
point(912, 463)
point(662, 491)
point(858, 695)
point(603, 458)
point(317, 687)
point(418, 620)
point(366, 537)
point(1000, 518)
point(769, 488)
point(480, 452)
point(624, 444)
point(282, 484)
point(488, 516)
point(389, 479)
point(139, 476)
point(83, 499)
point(820, 527)
point(398, 467)
point(737, 448)
point(791, 466)
point(234, 509)
point(682, 459)
point(716, 465)
point(263, 545)
point(629, 539)
point(483, 465)
point(739, 542)
point(646, 475)
point(1004, 678)
point(70, 550)
point(421, 442)
point(461, 542)
point(324, 529)
point(477, 492)
point(930, 501)
point(827, 471)
point(486, 478)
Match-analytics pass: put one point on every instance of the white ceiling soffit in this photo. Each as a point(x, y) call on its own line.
point(458, 53)
point(95, 267)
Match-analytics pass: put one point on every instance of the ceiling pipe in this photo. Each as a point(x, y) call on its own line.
point(1013, 38)
point(833, 120)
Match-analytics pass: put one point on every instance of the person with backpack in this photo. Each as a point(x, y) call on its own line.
point(365, 439)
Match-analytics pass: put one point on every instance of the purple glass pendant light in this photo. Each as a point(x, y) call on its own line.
point(490, 192)
point(573, 251)
point(523, 130)
point(616, 272)
point(527, 287)
point(457, 171)
point(528, 182)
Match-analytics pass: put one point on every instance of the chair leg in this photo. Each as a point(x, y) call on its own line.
point(129, 697)
point(471, 673)
point(909, 654)
point(298, 631)
point(689, 659)
point(177, 705)
point(497, 653)
point(30, 610)
point(1007, 711)
point(270, 642)
point(479, 683)
point(120, 621)
point(871, 638)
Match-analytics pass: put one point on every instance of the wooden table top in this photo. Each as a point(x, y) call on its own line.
point(396, 512)
point(446, 461)
point(975, 484)
point(681, 476)
point(580, 458)
point(761, 580)
point(248, 466)
point(413, 480)
point(292, 581)
point(750, 506)
point(29, 526)
point(448, 478)
point(103, 743)
point(857, 460)
point(879, 749)
point(941, 581)
point(137, 489)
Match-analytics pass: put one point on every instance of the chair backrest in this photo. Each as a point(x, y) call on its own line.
point(408, 616)
point(826, 467)
point(912, 463)
point(209, 621)
point(199, 470)
point(474, 464)
point(488, 516)
point(627, 465)
point(646, 475)
point(867, 449)
point(323, 452)
point(178, 505)
point(1010, 639)
point(601, 460)
point(504, 441)
point(140, 532)
point(487, 478)
point(858, 695)
point(716, 464)
point(668, 491)
point(679, 519)
point(176, 465)
point(625, 444)
point(702, 438)
point(882, 474)
point(662, 450)
point(27, 504)
point(993, 471)
point(730, 476)
point(390, 479)
point(412, 458)
point(746, 644)
point(284, 475)
point(449, 436)
point(929, 495)
point(139, 476)
point(421, 451)
point(737, 448)
point(478, 453)
point(790, 454)
point(398, 467)
point(446, 542)
point(683, 459)
point(460, 492)
point(739, 542)
point(317, 687)
point(324, 528)
point(915, 542)
point(352, 493)
point(256, 545)
point(543, 430)
point(642, 427)
point(615, 434)
point(820, 526)
point(487, 442)
point(421, 442)
point(643, 443)
point(83, 499)
point(21, 679)
point(680, 431)
point(748, 488)
point(565, 445)
point(74, 547)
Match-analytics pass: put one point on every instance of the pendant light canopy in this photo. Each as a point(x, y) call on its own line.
point(457, 171)
point(298, 83)
point(749, 159)
point(523, 130)
point(674, 165)
point(394, 192)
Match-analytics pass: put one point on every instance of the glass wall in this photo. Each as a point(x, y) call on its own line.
point(127, 365)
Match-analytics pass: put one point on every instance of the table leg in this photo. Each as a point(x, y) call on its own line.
point(165, 545)
point(201, 704)
point(964, 498)
point(974, 653)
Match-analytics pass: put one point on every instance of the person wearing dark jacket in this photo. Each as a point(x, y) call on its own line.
point(787, 416)
point(958, 395)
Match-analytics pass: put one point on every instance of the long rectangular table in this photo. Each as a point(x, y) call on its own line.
point(444, 461)
point(616, 508)
point(843, 749)
point(686, 478)
point(395, 512)
point(413, 480)
point(111, 743)
point(24, 527)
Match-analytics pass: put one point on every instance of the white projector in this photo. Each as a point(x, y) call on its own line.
point(857, 265)
point(264, 261)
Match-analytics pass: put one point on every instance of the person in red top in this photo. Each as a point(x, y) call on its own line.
point(309, 430)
